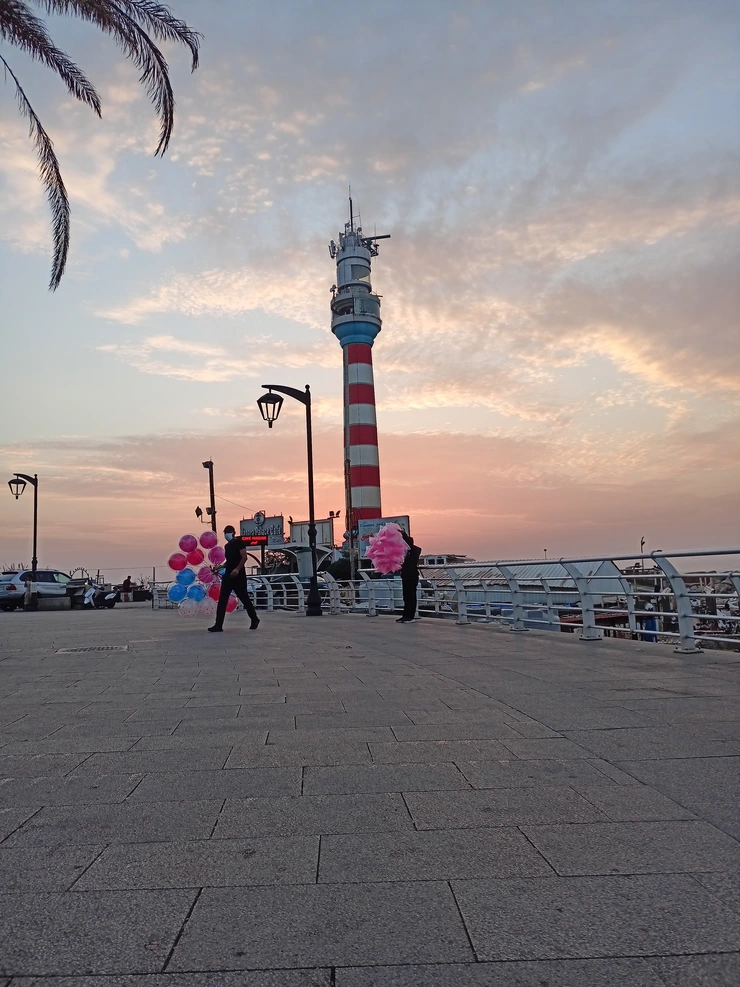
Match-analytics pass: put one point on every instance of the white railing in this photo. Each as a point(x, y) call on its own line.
point(658, 597)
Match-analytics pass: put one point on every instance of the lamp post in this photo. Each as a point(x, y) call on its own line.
point(270, 405)
point(17, 486)
point(209, 466)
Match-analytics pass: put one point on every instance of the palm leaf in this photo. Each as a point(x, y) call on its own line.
point(51, 178)
point(120, 19)
point(20, 26)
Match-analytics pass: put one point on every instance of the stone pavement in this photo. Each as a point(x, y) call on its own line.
point(351, 802)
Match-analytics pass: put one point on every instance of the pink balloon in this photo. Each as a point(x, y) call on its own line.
point(195, 557)
point(217, 555)
point(214, 591)
point(231, 604)
point(177, 562)
point(207, 607)
point(205, 575)
point(188, 543)
point(209, 539)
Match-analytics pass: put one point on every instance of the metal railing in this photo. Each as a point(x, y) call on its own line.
point(650, 600)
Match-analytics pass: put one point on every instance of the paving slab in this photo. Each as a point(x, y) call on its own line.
point(698, 971)
point(580, 917)
point(270, 978)
point(429, 856)
point(436, 751)
point(499, 807)
point(44, 868)
point(372, 923)
point(650, 743)
point(320, 814)
point(145, 762)
point(96, 932)
point(457, 730)
point(710, 787)
point(508, 773)
point(129, 822)
point(347, 779)
point(199, 740)
point(67, 791)
point(281, 755)
point(236, 783)
point(553, 973)
point(684, 846)
point(726, 886)
point(204, 863)
point(630, 803)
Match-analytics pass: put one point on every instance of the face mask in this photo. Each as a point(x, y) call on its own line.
point(229, 535)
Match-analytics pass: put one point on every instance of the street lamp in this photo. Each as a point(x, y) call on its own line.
point(209, 466)
point(270, 405)
point(17, 486)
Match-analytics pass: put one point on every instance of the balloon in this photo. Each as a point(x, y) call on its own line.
point(217, 555)
point(387, 549)
point(214, 591)
point(196, 592)
point(188, 608)
point(188, 543)
point(176, 592)
point(195, 557)
point(209, 539)
point(205, 575)
point(185, 577)
point(231, 605)
point(177, 562)
point(207, 607)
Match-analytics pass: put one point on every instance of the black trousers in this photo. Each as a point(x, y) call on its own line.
point(238, 586)
point(409, 596)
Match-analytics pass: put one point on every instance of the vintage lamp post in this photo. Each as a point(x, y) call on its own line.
point(17, 486)
point(270, 405)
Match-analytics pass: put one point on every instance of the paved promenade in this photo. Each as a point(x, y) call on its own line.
point(351, 802)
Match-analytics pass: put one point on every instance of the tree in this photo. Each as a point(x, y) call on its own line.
point(132, 24)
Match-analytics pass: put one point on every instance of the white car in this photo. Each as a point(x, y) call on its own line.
point(50, 582)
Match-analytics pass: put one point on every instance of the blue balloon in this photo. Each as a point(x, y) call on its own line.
point(185, 577)
point(196, 592)
point(176, 593)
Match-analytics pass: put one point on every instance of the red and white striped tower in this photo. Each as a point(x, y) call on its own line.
point(356, 322)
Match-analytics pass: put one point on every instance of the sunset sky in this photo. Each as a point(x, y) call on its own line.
point(559, 365)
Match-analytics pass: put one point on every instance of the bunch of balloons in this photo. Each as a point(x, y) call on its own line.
point(197, 584)
point(387, 549)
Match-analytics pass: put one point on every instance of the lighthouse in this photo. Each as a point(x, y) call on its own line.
point(355, 321)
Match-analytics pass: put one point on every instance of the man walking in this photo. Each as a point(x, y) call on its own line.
point(409, 580)
point(234, 579)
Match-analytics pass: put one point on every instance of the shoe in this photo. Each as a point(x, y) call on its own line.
point(403, 620)
point(255, 624)
point(214, 628)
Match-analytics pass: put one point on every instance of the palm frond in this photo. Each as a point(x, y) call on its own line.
point(120, 19)
point(20, 26)
point(51, 178)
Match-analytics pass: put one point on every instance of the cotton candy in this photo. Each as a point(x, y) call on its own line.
point(387, 549)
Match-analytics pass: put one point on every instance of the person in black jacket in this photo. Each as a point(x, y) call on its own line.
point(234, 579)
point(409, 580)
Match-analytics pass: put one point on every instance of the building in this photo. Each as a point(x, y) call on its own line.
point(356, 321)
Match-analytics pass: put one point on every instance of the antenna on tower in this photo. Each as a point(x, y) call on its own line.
point(351, 216)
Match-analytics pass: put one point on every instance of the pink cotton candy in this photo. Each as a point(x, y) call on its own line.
point(387, 549)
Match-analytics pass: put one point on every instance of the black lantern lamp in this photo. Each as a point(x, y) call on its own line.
point(270, 405)
point(17, 486)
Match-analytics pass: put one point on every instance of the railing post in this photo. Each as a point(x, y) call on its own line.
point(517, 599)
point(462, 598)
point(583, 585)
point(301, 591)
point(265, 580)
point(372, 603)
point(334, 597)
point(553, 614)
point(684, 613)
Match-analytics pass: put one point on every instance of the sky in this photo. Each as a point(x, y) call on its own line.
point(559, 364)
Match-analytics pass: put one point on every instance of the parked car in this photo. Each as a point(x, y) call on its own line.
point(51, 584)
